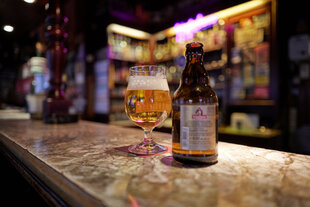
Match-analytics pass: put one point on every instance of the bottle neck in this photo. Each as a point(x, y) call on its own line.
point(194, 58)
point(194, 72)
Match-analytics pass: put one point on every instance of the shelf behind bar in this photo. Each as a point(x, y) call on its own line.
point(125, 83)
point(117, 96)
point(253, 102)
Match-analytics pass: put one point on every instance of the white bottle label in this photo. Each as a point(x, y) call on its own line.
point(198, 127)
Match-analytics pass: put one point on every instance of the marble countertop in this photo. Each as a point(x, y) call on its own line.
point(79, 163)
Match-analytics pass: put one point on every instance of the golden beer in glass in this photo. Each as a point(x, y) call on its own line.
point(147, 104)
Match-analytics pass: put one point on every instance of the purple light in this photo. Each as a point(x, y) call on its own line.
point(187, 30)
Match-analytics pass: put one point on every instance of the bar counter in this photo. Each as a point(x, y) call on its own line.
point(77, 165)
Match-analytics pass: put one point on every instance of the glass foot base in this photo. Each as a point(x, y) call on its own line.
point(144, 149)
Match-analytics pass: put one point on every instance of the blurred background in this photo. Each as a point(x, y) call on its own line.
point(256, 53)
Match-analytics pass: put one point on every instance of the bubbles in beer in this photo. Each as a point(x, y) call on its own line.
point(147, 83)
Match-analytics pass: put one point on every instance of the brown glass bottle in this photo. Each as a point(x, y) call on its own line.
point(194, 112)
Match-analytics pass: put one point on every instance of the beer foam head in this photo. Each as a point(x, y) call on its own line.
point(147, 83)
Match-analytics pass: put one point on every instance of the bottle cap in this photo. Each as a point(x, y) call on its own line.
point(194, 48)
point(194, 44)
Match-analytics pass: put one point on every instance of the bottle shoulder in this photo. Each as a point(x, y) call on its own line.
point(188, 94)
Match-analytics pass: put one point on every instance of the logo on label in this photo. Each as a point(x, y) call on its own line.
point(199, 114)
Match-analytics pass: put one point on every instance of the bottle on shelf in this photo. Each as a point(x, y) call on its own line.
point(195, 112)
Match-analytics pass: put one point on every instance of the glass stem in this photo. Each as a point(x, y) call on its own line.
point(148, 136)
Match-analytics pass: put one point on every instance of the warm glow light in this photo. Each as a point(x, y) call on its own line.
point(8, 28)
point(186, 30)
point(240, 8)
point(29, 1)
point(247, 6)
point(134, 33)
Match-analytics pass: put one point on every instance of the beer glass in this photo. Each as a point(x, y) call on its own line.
point(147, 104)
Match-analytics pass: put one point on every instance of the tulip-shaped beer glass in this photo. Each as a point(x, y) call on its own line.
point(147, 104)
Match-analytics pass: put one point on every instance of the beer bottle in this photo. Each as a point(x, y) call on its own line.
point(194, 112)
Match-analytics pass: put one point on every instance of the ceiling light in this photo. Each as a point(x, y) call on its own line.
point(8, 28)
point(29, 1)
